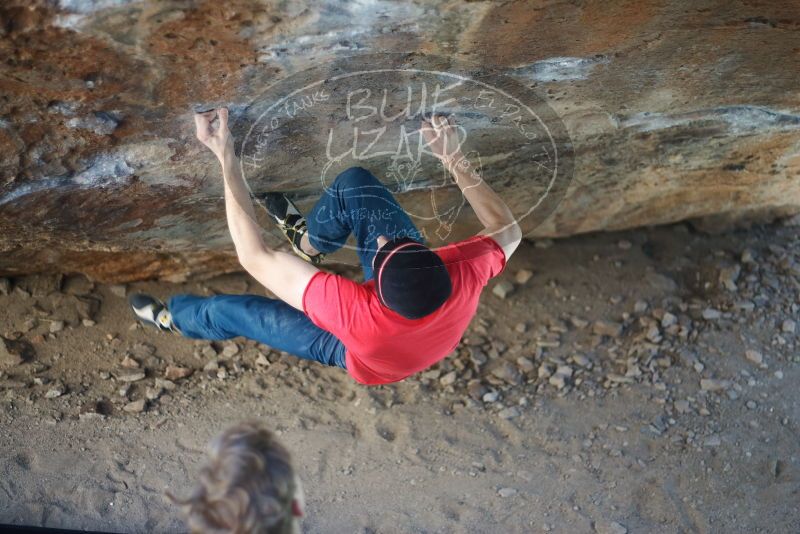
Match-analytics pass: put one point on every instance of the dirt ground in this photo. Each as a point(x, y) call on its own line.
point(644, 381)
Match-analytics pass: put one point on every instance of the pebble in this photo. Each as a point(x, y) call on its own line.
point(713, 384)
point(607, 328)
point(507, 372)
point(611, 527)
point(5, 286)
point(119, 290)
point(545, 370)
point(521, 328)
point(54, 392)
point(503, 289)
point(751, 405)
point(88, 322)
point(131, 376)
point(712, 441)
point(728, 277)
point(174, 372)
point(506, 492)
point(230, 350)
point(624, 244)
point(558, 381)
point(491, 396)
point(509, 413)
point(523, 275)
point(262, 360)
point(581, 360)
point(153, 393)
point(681, 406)
point(129, 363)
point(778, 375)
point(525, 365)
point(788, 326)
point(135, 406)
point(56, 326)
point(711, 314)
point(166, 385)
point(640, 306)
point(754, 356)
point(449, 379)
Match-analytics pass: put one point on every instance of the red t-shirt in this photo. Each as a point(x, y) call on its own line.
point(383, 346)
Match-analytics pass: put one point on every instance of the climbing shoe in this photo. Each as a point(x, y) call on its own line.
point(290, 222)
point(151, 311)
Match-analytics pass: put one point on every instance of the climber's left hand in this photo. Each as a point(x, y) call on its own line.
point(219, 140)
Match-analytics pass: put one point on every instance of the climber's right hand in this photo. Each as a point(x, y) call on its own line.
point(219, 140)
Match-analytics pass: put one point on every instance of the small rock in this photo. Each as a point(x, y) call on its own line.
point(449, 379)
point(230, 350)
point(153, 393)
point(118, 290)
point(135, 406)
point(603, 527)
point(728, 277)
point(88, 322)
point(668, 320)
point(491, 397)
point(14, 352)
point(558, 381)
point(713, 384)
point(607, 328)
point(624, 244)
point(640, 306)
point(788, 326)
point(581, 360)
point(503, 289)
point(778, 375)
point(262, 360)
point(545, 370)
point(710, 314)
point(129, 363)
point(747, 256)
point(751, 405)
point(681, 406)
point(578, 322)
point(754, 356)
point(56, 326)
point(5, 286)
point(507, 372)
point(509, 413)
point(131, 376)
point(522, 276)
point(54, 392)
point(712, 441)
point(174, 372)
point(506, 492)
point(525, 365)
point(166, 385)
point(521, 328)
point(124, 390)
point(211, 366)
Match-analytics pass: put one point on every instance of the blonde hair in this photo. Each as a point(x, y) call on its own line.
point(247, 487)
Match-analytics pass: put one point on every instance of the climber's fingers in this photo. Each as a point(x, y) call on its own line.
point(202, 122)
point(222, 113)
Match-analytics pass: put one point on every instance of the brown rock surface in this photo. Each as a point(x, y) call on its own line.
point(663, 111)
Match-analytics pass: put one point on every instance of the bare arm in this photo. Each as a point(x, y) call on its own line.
point(498, 221)
point(284, 274)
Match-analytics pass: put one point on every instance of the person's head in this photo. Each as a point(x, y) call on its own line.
point(248, 486)
point(410, 279)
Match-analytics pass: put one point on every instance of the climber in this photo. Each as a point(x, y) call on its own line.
point(415, 303)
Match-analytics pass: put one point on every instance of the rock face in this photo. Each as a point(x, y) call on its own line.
point(651, 111)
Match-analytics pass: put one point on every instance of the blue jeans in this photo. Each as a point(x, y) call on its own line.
point(356, 203)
